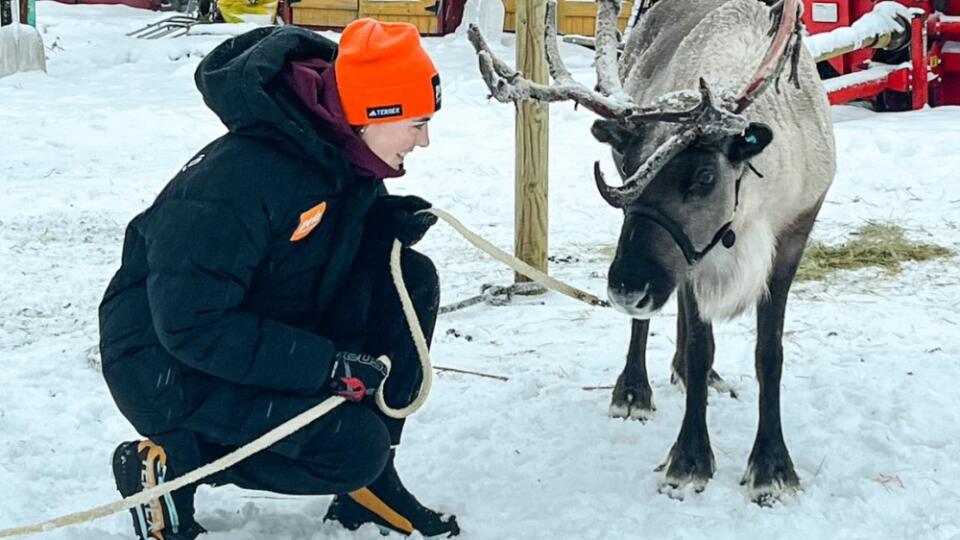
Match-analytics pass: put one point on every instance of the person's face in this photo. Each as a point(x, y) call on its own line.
point(392, 141)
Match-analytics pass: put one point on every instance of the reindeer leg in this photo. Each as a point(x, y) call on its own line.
point(770, 472)
point(678, 369)
point(679, 366)
point(690, 462)
point(632, 396)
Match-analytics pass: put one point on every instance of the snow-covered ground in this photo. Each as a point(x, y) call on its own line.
point(870, 402)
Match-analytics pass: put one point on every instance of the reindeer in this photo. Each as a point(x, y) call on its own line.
point(720, 192)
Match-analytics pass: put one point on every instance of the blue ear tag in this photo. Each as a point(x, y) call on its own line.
point(751, 139)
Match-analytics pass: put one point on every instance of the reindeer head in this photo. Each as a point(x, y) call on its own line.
point(681, 167)
point(679, 194)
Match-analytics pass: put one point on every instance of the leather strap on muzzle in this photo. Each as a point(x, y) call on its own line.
point(690, 253)
point(680, 237)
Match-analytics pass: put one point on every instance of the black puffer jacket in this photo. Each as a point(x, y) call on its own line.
point(212, 285)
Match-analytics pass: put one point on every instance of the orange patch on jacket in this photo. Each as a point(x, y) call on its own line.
point(308, 221)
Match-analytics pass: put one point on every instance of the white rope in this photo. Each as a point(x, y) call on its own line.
point(515, 263)
point(294, 424)
point(416, 331)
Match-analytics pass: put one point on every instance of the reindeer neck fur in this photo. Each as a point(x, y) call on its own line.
point(723, 42)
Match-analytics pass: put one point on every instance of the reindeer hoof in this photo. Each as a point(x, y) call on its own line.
point(769, 483)
point(632, 404)
point(677, 485)
point(630, 412)
point(686, 470)
point(678, 490)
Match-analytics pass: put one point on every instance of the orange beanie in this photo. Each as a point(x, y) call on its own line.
point(383, 73)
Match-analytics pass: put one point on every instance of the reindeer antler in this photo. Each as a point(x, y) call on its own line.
point(507, 85)
point(786, 36)
point(706, 119)
point(607, 43)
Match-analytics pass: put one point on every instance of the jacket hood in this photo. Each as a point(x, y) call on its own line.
point(242, 82)
point(314, 83)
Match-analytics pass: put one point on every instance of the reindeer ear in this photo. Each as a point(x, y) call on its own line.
point(612, 132)
point(753, 140)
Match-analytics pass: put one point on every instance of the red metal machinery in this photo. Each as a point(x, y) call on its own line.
point(891, 79)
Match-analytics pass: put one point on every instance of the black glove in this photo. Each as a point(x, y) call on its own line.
point(355, 376)
point(395, 216)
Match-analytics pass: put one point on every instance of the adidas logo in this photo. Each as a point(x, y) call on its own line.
point(384, 112)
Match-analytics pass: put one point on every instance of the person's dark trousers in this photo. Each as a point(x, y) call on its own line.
point(348, 448)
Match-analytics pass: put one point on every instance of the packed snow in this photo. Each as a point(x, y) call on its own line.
point(872, 365)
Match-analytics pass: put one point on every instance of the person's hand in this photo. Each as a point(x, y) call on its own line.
point(395, 216)
point(355, 375)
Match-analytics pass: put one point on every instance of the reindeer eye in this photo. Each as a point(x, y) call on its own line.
point(705, 177)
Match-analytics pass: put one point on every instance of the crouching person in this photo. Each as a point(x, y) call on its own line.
point(257, 285)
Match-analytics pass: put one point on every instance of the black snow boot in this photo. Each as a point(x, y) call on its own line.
point(388, 505)
point(139, 465)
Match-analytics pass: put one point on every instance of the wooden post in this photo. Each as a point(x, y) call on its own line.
point(532, 131)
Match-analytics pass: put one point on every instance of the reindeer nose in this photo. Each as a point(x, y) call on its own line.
point(630, 301)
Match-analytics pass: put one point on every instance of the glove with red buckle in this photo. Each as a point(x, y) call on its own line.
point(356, 375)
